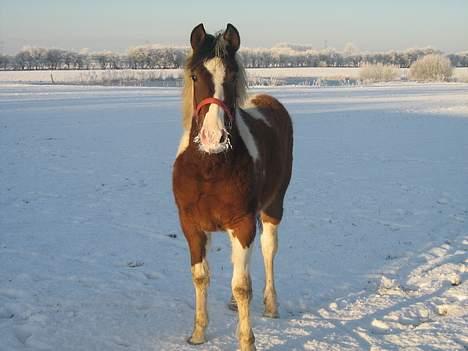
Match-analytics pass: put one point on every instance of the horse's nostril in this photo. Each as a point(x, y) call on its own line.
point(223, 138)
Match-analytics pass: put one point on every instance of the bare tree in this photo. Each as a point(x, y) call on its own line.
point(54, 58)
point(5, 61)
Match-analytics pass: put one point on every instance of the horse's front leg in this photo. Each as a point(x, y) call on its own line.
point(241, 239)
point(198, 241)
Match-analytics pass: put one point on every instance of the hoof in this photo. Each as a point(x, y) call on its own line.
point(193, 341)
point(273, 315)
point(250, 347)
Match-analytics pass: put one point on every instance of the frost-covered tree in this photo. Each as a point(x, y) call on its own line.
point(281, 55)
point(4, 62)
point(459, 59)
point(137, 57)
point(155, 56)
point(23, 60)
point(69, 59)
point(54, 58)
point(431, 67)
point(378, 72)
point(39, 56)
point(106, 60)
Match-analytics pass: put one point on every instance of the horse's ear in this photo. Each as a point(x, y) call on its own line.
point(198, 36)
point(231, 35)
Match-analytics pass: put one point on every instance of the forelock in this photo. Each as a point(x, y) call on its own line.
point(213, 46)
point(220, 49)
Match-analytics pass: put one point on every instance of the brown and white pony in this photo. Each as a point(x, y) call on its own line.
point(233, 166)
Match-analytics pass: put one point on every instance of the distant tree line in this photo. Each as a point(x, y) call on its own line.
point(140, 57)
point(152, 57)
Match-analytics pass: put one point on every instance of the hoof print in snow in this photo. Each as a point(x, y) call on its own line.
point(135, 264)
point(6, 314)
point(23, 334)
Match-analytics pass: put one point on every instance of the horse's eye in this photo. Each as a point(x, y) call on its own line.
point(194, 77)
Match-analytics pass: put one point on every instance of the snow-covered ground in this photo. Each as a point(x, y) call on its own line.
point(372, 247)
point(90, 76)
point(85, 76)
point(257, 76)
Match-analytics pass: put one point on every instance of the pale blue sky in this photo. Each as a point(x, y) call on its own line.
point(117, 24)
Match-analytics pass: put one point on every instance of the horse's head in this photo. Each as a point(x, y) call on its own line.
point(214, 73)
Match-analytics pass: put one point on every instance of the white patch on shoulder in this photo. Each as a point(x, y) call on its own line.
point(246, 136)
point(253, 110)
point(184, 142)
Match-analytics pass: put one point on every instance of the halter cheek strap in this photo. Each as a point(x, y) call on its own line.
point(213, 100)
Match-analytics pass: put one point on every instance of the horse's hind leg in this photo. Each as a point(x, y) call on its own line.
point(269, 242)
point(271, 217)
point(201, 278)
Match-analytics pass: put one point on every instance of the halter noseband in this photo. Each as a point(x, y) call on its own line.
point(213, 100)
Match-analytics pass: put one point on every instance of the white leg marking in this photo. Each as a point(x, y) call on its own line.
point(246, 136)
point(269, 241)
point(240, 260)
point(242, 291)
point(201, 281)
point(201, 270)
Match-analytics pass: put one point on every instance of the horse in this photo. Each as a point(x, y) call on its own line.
point(232, 169)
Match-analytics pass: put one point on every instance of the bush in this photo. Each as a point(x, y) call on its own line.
point(431, 68)
point(378, 72)
point(461, 76)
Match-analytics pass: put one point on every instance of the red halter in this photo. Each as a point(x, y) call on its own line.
point(213, 100)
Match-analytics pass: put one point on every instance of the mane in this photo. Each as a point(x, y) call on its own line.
point(214, 46)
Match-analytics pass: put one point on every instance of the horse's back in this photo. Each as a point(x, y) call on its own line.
point(271, 128)
point(274, 112)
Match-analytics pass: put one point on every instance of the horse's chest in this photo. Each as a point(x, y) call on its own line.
point(214, 204)
point(221, 203)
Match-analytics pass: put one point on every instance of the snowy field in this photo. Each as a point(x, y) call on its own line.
point(85, 76)
point(372, 249)
point(168, 77)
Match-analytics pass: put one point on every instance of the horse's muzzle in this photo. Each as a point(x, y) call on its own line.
point(213, 141)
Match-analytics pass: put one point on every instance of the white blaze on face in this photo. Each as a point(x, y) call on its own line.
point(213, 129)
